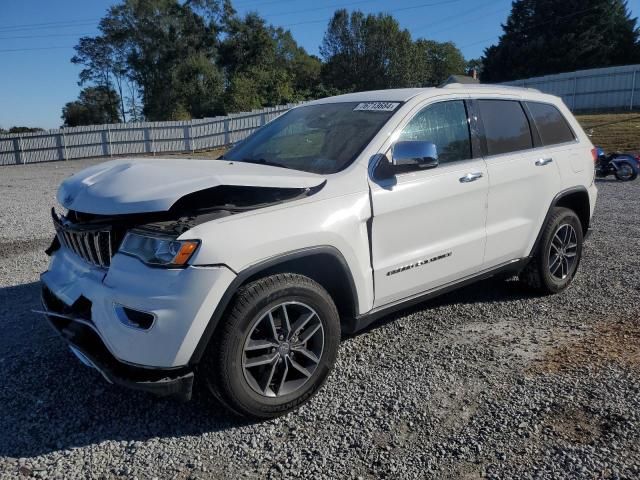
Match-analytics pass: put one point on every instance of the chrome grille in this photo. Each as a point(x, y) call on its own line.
point(93, 246)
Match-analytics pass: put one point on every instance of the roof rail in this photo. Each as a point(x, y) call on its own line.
point(481, 86)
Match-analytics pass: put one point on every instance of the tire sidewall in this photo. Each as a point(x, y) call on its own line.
point(633, 175)
point(231, 357)
point(566, 217)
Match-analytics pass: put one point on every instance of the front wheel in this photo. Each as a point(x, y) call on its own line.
point(558, 254)
point(276, 346)
point(626, 172)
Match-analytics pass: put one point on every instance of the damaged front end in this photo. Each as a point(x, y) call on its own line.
point(105, 302)
point(96, 238)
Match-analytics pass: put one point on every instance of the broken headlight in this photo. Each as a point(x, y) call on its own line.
point(158, 250)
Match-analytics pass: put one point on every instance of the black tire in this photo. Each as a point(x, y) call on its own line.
point(630, 172)
point(223, 368)
point(538, 273)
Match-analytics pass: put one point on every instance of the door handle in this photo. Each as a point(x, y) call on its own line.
point(470, 177)
point(541, 162)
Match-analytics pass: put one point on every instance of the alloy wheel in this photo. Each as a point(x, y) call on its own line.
point(563, 251)
point(283, 349)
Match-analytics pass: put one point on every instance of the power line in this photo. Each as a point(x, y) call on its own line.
point(47, 36)
point(335, 5)
point(51, 27)
point(394, 10)
point(31, 49)
point(2, 27)
point(456, 17)
point(260, 4)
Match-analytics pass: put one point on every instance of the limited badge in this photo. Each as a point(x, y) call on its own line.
point(376, 107)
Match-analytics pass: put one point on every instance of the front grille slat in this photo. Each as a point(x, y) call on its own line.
point(67, 239)
point(78, 245)
point(96, 244)
point(93, 246)
point(87, 247)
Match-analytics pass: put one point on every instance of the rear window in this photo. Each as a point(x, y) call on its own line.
point(552, 126)
point(506, 126)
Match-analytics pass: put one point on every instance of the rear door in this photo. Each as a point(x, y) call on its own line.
point(523, 179)
point(429, 225)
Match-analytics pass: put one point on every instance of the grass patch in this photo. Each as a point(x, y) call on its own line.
point(621, 136)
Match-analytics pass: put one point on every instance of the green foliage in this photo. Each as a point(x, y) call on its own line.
point(95, 105)
point(365, 52)
point(435, 62)
point(264, 65)
point(170, 50)
point(551, 36)
point(17, 129)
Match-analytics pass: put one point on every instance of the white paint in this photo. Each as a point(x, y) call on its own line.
point(417, 216)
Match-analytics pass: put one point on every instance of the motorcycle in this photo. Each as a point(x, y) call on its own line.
point(623, 166)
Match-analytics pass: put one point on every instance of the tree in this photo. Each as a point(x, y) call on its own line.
point(167, 50)
point(436, 61)
point(551, 36)
point(95, 106)
point(364, 52)
point(17, 129)
point(264, 65)
point(104, 65)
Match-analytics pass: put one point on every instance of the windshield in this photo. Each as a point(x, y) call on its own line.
point(321, 139)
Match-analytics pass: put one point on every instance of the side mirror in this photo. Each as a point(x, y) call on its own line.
point(418, 153)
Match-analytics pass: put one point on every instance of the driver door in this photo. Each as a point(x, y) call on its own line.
point(429, 225)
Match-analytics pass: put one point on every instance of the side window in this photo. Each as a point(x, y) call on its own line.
point(445, 125)
point(552, 126)
point(506, 127)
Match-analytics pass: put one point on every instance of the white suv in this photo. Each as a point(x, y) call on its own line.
point(244, 271)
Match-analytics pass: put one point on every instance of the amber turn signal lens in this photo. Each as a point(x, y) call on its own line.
point(184, 254)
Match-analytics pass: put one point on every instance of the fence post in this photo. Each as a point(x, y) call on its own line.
point(227, 133)
point(188, 141)
point(63, 139)
point(109, 141)
point(104, 139)
point(17, 148)
point(149, 146)
point(575, 89)
point(633, 89)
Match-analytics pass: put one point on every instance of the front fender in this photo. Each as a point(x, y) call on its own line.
point(624, 158)
point(244, 240)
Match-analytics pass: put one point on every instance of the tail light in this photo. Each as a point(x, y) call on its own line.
point(594, 154)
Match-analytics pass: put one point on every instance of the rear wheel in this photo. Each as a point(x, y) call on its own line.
point(275, 348)
point(558, 255)
point(626, 172)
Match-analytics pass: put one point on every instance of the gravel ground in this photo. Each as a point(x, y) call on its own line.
point(487, 381)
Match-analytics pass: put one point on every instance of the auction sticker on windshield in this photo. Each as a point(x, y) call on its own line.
point(376, 107)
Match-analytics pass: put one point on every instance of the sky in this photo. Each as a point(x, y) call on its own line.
point(37, 39)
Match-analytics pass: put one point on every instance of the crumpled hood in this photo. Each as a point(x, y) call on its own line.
point(154, 185)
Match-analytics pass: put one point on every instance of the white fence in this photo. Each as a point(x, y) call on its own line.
point(613, 88)
point(132, 138)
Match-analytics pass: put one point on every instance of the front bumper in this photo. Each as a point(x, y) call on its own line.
point(74, 325)
point(181, 300)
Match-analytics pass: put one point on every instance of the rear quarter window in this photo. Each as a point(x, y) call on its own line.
point(552, 126)
point(506, 127)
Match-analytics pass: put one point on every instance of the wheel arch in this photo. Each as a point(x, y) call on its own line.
point(574, 198)
point(324, 264)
